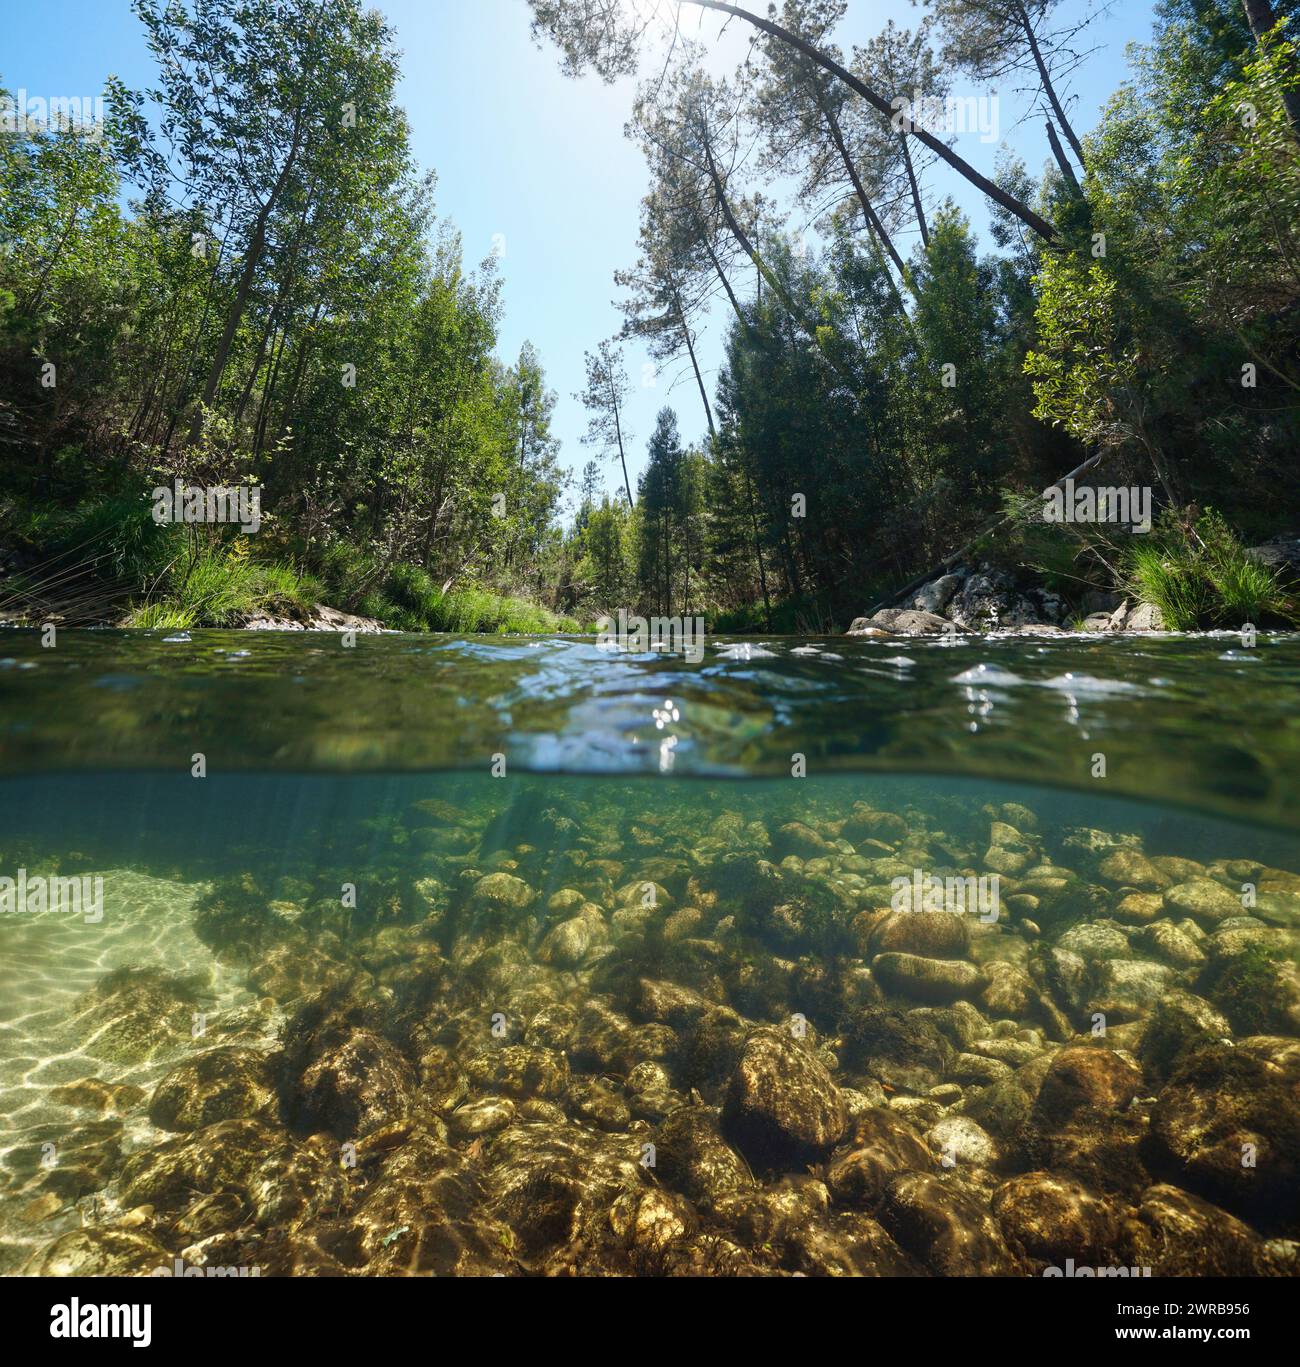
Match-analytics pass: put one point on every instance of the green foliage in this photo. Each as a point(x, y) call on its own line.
point(230, 366)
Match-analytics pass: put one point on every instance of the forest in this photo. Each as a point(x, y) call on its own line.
point(244, 279)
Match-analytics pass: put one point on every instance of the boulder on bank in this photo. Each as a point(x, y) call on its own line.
point(904, 622)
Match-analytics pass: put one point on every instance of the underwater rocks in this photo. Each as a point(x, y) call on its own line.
point(880, 1146)
point(1181, 1021)
point(100, 1253)
point(948, 1231)
point(928, 980)
point(1204, 900)
point(645, 1041)
point(781, 1105)
point(933, 935)
point(222, 1084)
point(134, 1015)
point(353, 1086)
point(1229, 1124)
point(547, 1183)
point(1053, 1216)
point(1086, 1077)
point(1180, 1235)
point(692, 1157)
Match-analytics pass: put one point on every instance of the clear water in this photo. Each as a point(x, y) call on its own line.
point(467, 957)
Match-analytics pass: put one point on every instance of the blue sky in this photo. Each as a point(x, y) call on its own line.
point(536, 164)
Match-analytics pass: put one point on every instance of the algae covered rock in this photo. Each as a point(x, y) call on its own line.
point(353, 1086)
point(692, 1157)
point(930, 934)
point(1180, 1235)
point(896, 1048)
point(1086, 1077)
point(945, 1229)
point(1180, 1022)
point(928, 980)
point(880, 1145)
point(202, 1162)
point(1228, 1124)
point(501, 892)
point(100, 1253)
point(220, 1084)
point(1204, 900)
point(1053, 1216)
point(782, 1106)
point(548, 1183)
point(135, 1015)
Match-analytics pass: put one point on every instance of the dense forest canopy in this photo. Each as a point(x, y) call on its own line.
point(244, 281)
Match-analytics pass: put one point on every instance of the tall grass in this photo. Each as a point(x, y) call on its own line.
point(1203, 577)
point(408, 599)
point(222, 586)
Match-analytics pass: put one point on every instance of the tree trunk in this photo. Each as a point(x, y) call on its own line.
point(873, 220)
point(1062, 160)
point(252, 259)
point(1262, 20)
point(695, 365)
point(916, 191)
point(1050, 90)
point(758, 547)
point(618, 432)
point(722, 275)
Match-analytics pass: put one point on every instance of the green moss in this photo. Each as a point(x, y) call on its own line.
point(1246, 990)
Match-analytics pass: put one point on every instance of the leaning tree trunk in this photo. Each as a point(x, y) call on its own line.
point(868, 212)
point(877, 101)
point(252, 259)
point(618, 432)
point(916, 191)
point(695, 364)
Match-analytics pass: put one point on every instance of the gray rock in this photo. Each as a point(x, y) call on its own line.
point(958, 1140)
point(906, 622)
point(1125, 990)
point(1145, 617)
point(935, 596)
